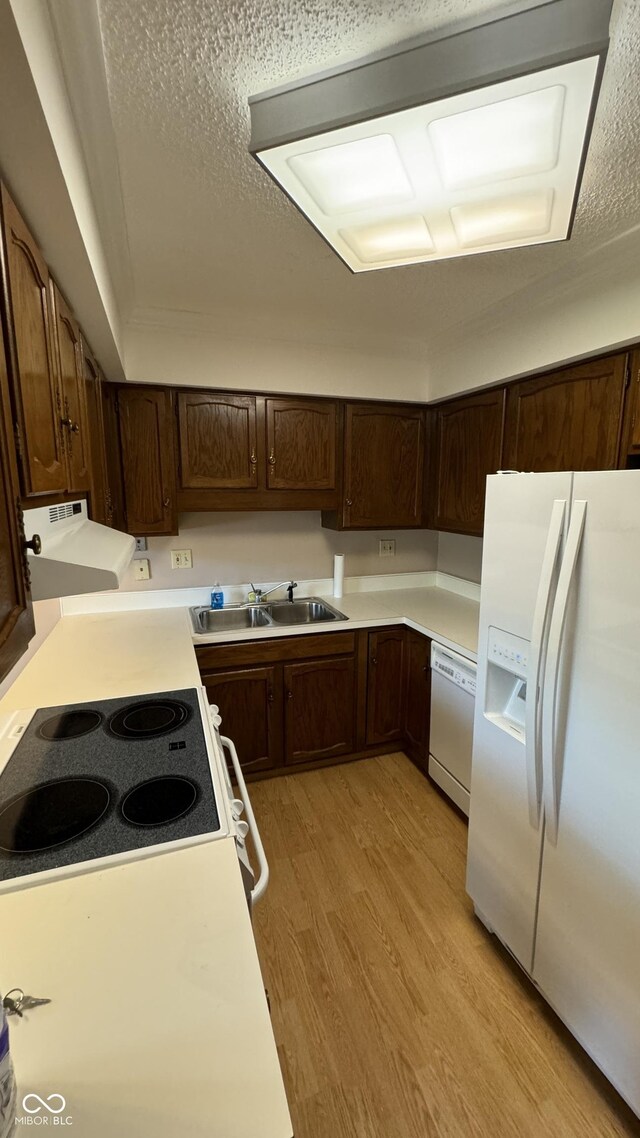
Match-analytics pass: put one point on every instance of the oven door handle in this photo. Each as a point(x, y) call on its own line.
point(263, 878)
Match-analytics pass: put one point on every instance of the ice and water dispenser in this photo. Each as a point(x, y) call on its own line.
point(506, 688)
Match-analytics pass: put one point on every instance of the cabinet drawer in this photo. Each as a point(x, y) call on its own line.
point(284, 648)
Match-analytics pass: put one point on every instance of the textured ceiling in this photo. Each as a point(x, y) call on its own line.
point(208, 232)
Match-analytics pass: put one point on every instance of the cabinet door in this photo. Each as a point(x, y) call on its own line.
point(320, 709)
point(114, 510)
point(95, 425)
point(631, 432)
point(218, 441)
point(31, 357)
point(385, 687)
point(250, 703)
point(16, 615)
point(418, 695)
point(468, 447)
point(148, 459)
point(383, 464)
point(569, 420)
point(68, 349)
point(301, 444)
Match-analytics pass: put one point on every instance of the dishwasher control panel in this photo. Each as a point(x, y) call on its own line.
point(461, 672)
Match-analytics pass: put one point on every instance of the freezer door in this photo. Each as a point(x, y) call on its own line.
point(587, 953)
point(505, 832)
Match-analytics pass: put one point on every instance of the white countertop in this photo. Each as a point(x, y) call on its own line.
point(158, 1024)
point(105, 655)
point(443, 615)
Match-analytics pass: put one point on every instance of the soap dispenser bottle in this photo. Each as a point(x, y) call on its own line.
point(217, 597)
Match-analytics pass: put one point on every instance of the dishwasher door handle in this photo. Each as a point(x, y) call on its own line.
point(263, 877)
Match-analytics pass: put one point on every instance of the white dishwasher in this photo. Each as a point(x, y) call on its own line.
point(453, 696)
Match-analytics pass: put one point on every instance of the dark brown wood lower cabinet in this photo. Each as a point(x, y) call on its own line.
point(418, 696)
point(320, 710)
point(385, 686)
point(250, 702)
point(306, 701)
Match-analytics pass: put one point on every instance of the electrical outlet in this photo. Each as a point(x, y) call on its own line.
point(181, 559)
point(141, 544)
point(141, 570)
point(387, 548)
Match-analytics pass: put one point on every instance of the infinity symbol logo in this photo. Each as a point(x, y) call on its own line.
point(46, 1103)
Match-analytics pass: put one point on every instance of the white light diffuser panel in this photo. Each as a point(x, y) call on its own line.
point(489, 169)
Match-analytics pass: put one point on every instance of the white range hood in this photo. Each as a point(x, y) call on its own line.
point(77, 555)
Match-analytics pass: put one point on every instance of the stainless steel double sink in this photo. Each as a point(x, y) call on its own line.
point(267, 614)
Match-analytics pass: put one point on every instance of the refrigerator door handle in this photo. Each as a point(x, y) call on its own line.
point(536, 656)
point(550, 783)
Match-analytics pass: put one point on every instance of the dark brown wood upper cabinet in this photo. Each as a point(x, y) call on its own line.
point(148, 459)
point(301, 444)
point(384, 447)
point(250, 703)
point(218, 441)
point(385, 686)
point(320, 709)
point(113, 453)
point(74, 424)
point(631, 426)
point(467, 446)
point(31, 362)
point(16, 614)
point(567, 420)
point(98, 486)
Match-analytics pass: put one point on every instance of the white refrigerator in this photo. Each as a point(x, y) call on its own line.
point(554, 826)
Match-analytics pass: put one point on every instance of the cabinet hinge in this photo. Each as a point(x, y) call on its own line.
point(627, 372)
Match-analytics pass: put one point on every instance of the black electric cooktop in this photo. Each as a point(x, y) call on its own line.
point(90, 780)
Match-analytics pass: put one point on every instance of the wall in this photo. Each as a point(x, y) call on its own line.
point(460, 556)
point(584, 313)
point(256, 360)
point(264, 547)
point(46, 615)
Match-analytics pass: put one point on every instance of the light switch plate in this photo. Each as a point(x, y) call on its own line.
point(387, 547)
point(181, 559)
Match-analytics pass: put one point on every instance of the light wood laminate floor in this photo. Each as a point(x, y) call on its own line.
point(395, 1013)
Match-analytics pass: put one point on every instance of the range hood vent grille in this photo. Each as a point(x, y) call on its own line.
point(57, 513)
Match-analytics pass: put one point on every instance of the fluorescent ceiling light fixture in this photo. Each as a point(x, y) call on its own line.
point(407, 236)
point(471, 140)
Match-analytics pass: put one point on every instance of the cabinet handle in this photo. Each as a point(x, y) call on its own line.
point(272, 458)
point(270, 697)
point(35, 544)
point(253, 458)
point(348, 502)
point(166, 501)
point(289, 695)
point(374, 659)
